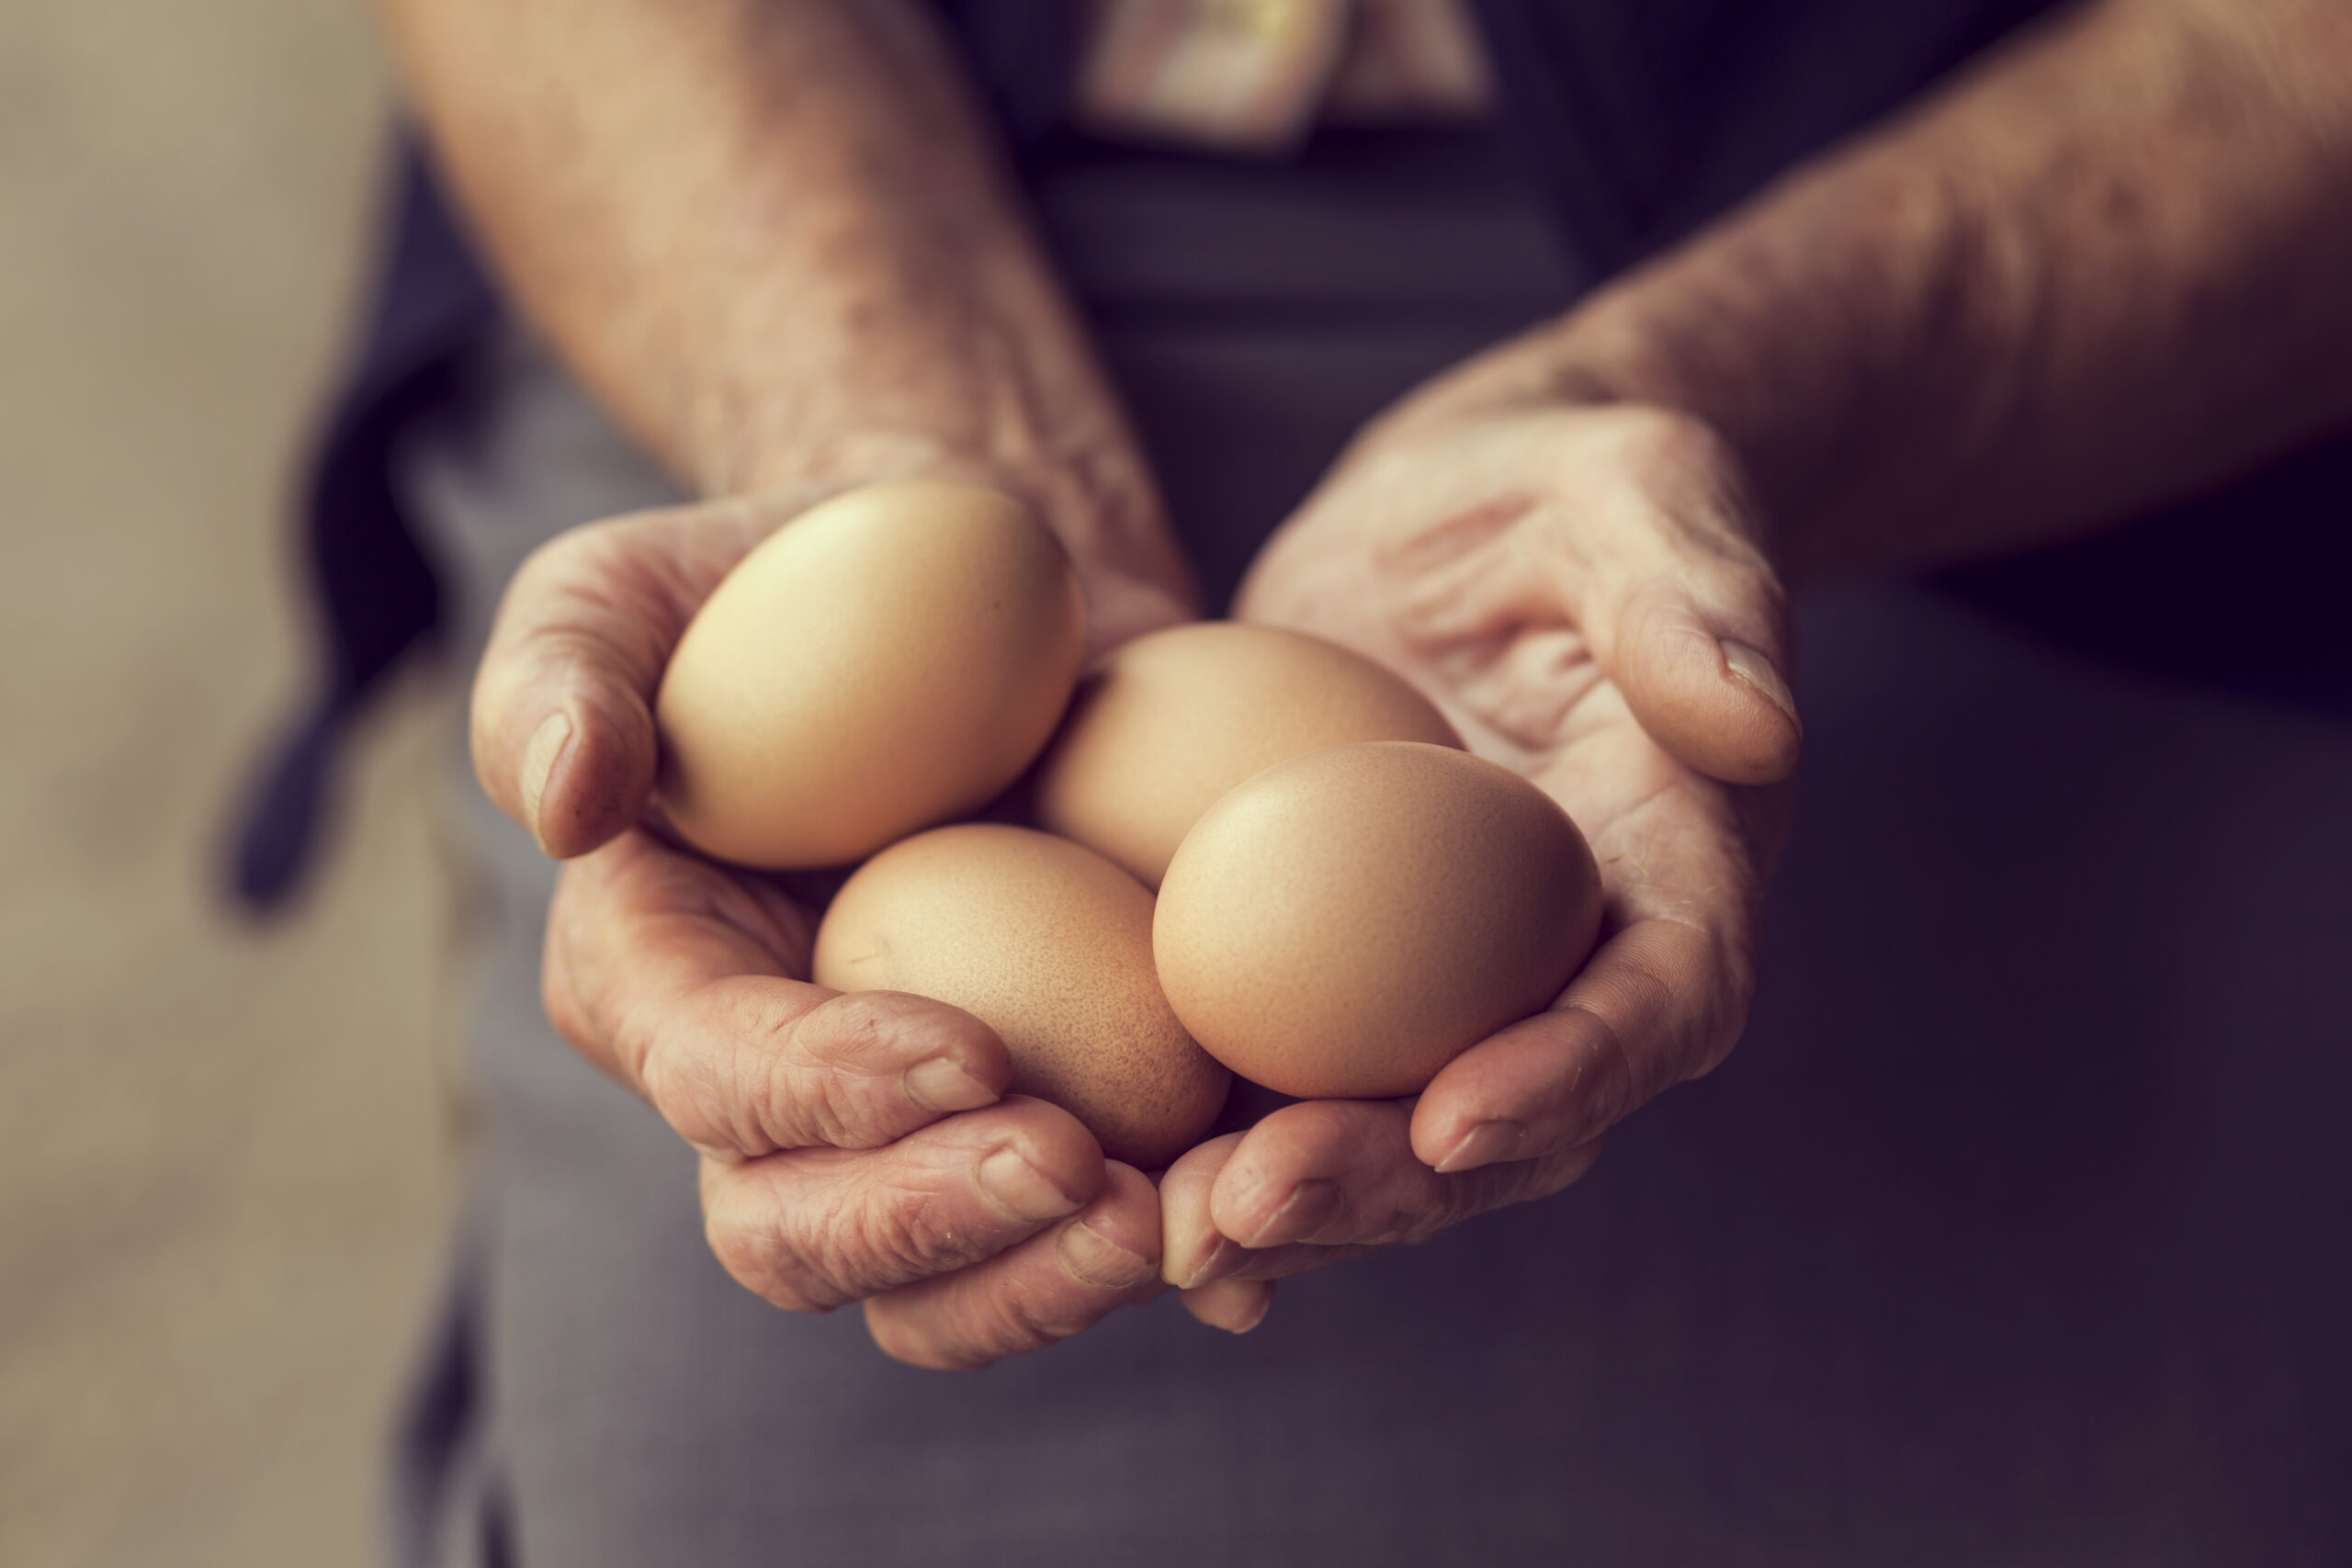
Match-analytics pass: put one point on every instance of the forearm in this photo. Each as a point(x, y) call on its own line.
point(773, 239)
point(2111, 264)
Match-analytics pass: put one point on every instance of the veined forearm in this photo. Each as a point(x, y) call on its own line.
point(2108, 265)
point(773, 239)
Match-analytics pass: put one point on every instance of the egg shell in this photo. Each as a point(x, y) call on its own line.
point(1344, 924)
point(890, 658)
point(1050, 946)
point(1165, 725)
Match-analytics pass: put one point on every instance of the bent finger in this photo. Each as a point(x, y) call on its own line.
point(1686, 613)
point(1053, 1285)
point(1712, 696)
point(562, 712)
point(680, 979)
point(810, 1229)
point(1195, 1251)
point(1343, 1173)
point(1660, 1003)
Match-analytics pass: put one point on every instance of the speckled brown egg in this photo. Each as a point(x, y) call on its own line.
point(1168, 722)
point(1050, 946)
point(1344, 924)
point(890, 658)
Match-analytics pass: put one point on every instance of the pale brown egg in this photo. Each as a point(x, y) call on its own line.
point(1345, 923)
point(1168, 722)
point(890, 658)
point(1050, 946)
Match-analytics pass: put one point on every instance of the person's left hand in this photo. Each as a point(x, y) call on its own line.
point(1582, 589)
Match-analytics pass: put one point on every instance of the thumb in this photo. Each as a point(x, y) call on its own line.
point(562, 717)
point(1708, 686)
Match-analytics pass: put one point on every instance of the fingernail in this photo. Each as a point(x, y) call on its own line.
point(1309, 1206)
point(1483, 1145)
point(1020, 1190)
point(941, 1084)
point(1750, 665)
point(1222, 1258)
point(1095, 1259)
point(540, 759)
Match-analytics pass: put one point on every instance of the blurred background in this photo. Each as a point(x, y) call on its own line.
point(223, 1150)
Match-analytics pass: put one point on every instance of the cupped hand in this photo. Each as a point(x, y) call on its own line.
point(853, 1146)
point(1583, 590)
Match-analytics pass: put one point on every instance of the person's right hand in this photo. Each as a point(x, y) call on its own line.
point(854, 1147)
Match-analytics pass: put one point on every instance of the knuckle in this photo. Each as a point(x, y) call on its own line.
point(1659, 990)
point(916, 1232)
point(692, 1095)
point(764, 1260)
point(849, 1029)
point(771, 1096)
point(815, 1108)
point(608, 578)
point(549, 560)
point(1605, 1085)
point(723, 1079)
point(1714, 1025)
point(1428, 1206)
point(583, 560)
point(1427, 1222)
point(825, 1070)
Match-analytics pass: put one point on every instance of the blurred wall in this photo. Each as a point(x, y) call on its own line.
point(222, 1150)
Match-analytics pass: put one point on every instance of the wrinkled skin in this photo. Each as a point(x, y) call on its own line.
point(855, 1148)
point(1562, 582)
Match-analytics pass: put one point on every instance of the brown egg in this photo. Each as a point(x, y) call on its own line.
point(1168, 722)
point(888, 659)
point(1346, 923)
point(1050, 946)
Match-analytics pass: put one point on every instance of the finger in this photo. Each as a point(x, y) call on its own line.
point(1046, 1289)
point(810, 1229)
point(1712, 696)
point(1196, 1252)
point(1693, 625)
point(1235, 1305)
point(563, 717)
point(1661, 1002)
point(677, 977)
point(1343, 1173)
point(1199, 1256)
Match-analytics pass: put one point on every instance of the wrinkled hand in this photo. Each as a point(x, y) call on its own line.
point(854, 1147)
point(1582, 590)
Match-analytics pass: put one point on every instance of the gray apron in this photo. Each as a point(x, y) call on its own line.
point(2013, 1233)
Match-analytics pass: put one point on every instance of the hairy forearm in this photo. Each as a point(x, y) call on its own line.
point(2108, 264)
point(773, 239)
